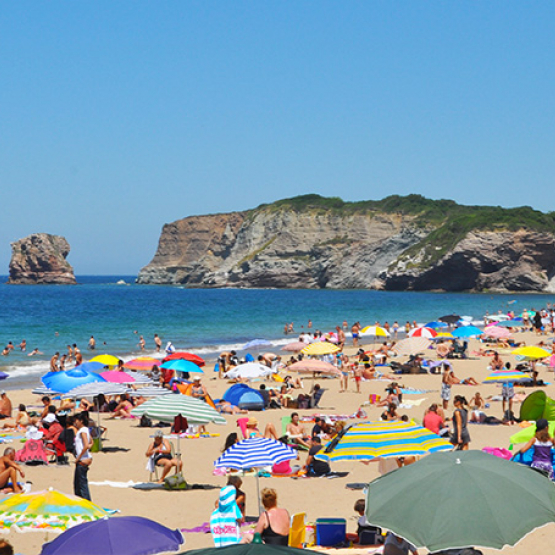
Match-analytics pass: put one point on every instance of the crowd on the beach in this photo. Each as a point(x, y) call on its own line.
point(66, 428)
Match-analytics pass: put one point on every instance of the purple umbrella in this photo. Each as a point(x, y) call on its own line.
point(123, 535)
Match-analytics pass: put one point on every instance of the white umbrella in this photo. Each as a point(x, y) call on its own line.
point(249, 370)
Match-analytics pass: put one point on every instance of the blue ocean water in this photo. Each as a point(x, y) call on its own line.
point(202, 320)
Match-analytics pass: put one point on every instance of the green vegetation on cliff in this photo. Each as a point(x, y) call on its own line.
point(447, 221)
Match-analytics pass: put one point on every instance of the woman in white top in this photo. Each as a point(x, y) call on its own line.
point(83, 458)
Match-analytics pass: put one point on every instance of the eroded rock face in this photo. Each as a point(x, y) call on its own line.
point(282, 249)
point(40, 258)
point(484, 260)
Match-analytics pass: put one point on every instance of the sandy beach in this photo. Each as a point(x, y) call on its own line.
point(318, 497)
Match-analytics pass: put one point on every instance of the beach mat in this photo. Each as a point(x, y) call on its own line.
point(148, 486)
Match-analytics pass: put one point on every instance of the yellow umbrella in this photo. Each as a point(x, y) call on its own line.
point(107, 360)
point(374, 330)
point(320, 348)
point(531, 352)
point(445, 334)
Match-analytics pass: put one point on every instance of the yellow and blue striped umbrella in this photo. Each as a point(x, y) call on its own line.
point(500, 376)
point(372, 440)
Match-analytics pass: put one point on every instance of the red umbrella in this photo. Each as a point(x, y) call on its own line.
point(185, 356)
point(428, 333)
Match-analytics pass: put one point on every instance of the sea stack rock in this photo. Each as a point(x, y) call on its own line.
point(40, 258)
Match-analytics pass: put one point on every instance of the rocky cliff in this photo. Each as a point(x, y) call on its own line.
point(398, 243)
point(41, 259)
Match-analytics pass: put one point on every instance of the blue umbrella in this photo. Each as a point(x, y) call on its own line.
point(181, 365)
point(435, 325)
point(120, 535)
point(467, 331)
point(92, 366)
point(62, 382)
point(511, 324)
point(256, 343)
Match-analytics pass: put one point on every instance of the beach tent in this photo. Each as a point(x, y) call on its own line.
point(537, 405)
point(244, 397)
point(186, 389)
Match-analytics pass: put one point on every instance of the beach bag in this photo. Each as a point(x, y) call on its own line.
point(175, 482)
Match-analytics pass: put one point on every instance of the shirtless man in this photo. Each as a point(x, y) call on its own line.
point(78, 355)
point(5, 406)
point(54, 363)
point(142, 343)
point(8, 471)
point(69, 353)
point(224, 361)
point(296, 431)
point(34, 352)
point(92, 343)
point(340, 337)
point(157, 342)
point(23, 345)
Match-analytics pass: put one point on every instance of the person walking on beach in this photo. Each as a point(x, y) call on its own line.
point(83, 458)
point(461, 437)
point(157, 342)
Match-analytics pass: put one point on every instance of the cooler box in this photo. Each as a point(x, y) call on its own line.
point(330, 531)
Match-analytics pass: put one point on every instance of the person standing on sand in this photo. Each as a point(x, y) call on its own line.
point(157, 342)
point(83, 458)
point(461, 437)
point(54, 363)
point(447, 380)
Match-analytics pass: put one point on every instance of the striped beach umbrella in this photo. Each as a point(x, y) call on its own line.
point(95, 388)
point(372, 440)
point(256, 452)
point(425, 332)
point(412, 345)
point(166, 407)
point(150, 391)
point(376, 331)
point(320, 348)
point(140, 379)
point(502, 376)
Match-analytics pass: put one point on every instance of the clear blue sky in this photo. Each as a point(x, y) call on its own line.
point(118, 117)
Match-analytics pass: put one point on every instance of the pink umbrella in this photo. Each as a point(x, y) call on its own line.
point(497, 332)
point(113, 376)
point(428, 333)
point(310, 366)
point(294, 347)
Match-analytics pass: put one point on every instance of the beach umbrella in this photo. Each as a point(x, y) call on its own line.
point(119, 535)
point(144, 364)
point(294, 347)
point(367, 441)
point(435, 325)
point(140, 379)
point(47, 510)
point(114, 376)
point(182, 365)
point(320, 348)
point(444, 335)
point(249, 370)
point(182, 355)
point(43, 390)
point(256, 344)
point(312, 366)
point(166, 407)
point(471, 487)
point(106, 360)
point(93, 389)
point(62, 382)
point(467, 331)
point(256, 452)
point(531, 352)
point(450, 318)
point(248, 549)
point(91, 366)
point(428, 333)
point(376, 331)
point(502, 376)
point(412, 345)
point(496, 332)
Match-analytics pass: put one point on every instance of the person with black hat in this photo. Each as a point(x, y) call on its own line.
point(542, 443)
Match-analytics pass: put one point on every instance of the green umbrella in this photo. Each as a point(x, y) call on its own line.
point(461, 499)
point(250, 549)
point(526, 434)
point(167, 407)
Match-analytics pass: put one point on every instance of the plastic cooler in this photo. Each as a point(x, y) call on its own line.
point(330, 531)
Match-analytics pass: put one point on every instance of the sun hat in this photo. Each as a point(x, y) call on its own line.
point(49, 418)
point(158, 433)
point(252, 421)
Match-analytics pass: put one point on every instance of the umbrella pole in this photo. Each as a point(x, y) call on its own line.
point(258, 493)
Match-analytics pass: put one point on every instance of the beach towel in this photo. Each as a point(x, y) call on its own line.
point(32, 453)
point(147, 486)
point(224, 522)
point(408, 404)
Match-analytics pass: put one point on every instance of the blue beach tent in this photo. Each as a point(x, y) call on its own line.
point(244, 397)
